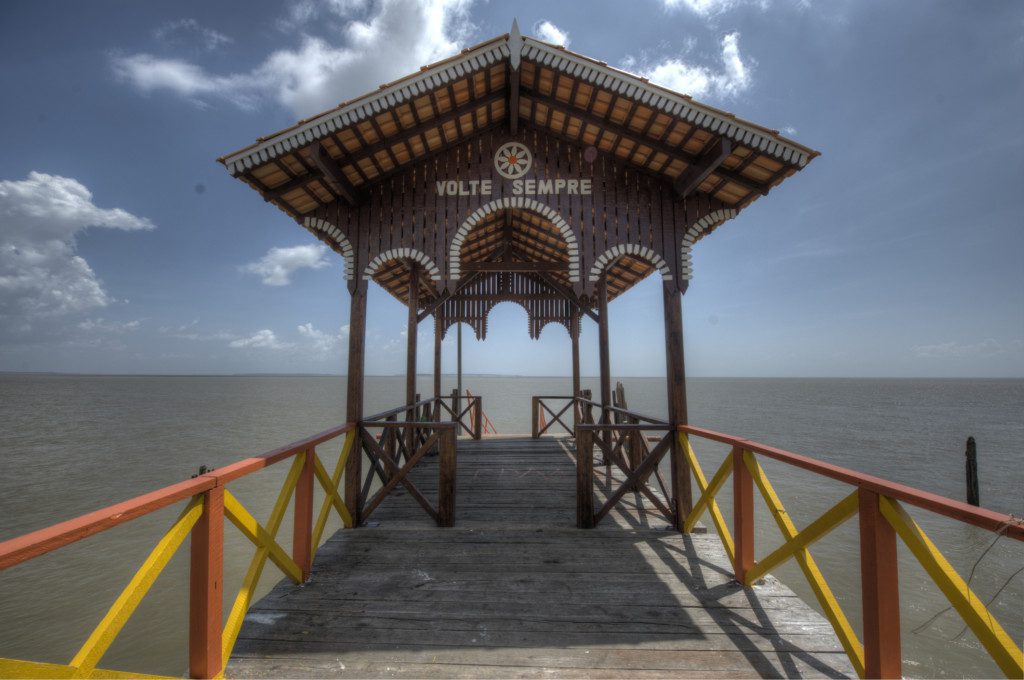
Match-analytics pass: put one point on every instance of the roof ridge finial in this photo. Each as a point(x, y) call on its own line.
point(515, 44)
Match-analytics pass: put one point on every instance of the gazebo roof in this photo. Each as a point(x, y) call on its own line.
point(341, 155)
point(564, 93)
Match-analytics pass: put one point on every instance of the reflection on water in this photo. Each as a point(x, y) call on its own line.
point(72, 444)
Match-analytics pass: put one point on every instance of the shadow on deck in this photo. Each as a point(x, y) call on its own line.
point(515, 590)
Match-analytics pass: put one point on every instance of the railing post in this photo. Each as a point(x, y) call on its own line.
point(446, 477)
point(680, 471)
point(206, 588)
point(584, 478)
point(535, 418)
point(743, 516)
point(302, 534)
point(879, 577)
point(478, 417)
point(456, 411)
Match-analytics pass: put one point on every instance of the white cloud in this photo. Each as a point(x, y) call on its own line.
point(190, 33)
point(548, 32)
point(731, 79)
point(276, 267)
point(101, 325)
point(953, 349)
point(321, 343)
point(709, 8)
point(264, 339)
point(40, 273)
point(317, 74)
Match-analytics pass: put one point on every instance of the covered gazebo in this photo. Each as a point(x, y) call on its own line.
point(516, 171)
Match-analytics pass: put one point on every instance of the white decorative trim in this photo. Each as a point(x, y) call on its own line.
point(315, 224)
point(712, 219)
point(369, 105)
point(674, 104)
point(402, 253)
point(630, 249)
point(522, 203)
point(512, 48)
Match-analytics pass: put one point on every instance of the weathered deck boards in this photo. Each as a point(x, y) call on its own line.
point(515, 590)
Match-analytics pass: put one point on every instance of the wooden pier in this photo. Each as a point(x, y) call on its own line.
point(514, 589)
point(517, 171)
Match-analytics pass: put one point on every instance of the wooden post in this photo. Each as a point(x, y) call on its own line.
point(676, 381)
point(478, 417)
point(879, 577)
point(743, 517)
point(585, 478)
point(973, 492)
point(458, 357)
point(437, 362)
point(535, 418)
point(446, 462)
point(455, 410)
point(302, 533)
point(412, 302)
point(602, 341)
point(574, 334)
point(206, 588)
point(354, 405)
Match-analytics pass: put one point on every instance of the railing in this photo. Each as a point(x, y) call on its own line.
point(469, 417)
point(479, 416)
point(397, 448)
point(878, 504)
point(540, 424)
point(209, 502)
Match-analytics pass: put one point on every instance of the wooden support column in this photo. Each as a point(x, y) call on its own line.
point(412, 301)
point(602, 341)
point(354, 404)
point(437, 365)
point(584, 478)
point(574, 334)
point(446, 466)
point(675, 374)
point(458, 335)
point(880, 590)
point(206, 588)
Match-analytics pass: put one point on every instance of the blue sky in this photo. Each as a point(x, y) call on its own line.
point(125, 248)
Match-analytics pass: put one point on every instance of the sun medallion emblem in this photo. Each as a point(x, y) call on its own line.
point(513, 160)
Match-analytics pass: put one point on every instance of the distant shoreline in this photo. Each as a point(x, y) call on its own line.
point(486, 375)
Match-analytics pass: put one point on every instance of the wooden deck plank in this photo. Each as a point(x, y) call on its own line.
point(515, 590)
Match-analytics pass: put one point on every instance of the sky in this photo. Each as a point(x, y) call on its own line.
point(125, 248)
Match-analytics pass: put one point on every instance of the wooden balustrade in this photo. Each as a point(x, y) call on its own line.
point(878, 504)
point(210, 503)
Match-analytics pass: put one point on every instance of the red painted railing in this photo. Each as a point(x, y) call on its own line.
point(877, 503)
point(210, 641)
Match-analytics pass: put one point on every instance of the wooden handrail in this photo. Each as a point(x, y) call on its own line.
point(397, 410)
point(21, 548)
point(979, 517)
point(882, 520)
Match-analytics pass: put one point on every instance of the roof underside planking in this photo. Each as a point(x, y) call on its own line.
point(511, 83)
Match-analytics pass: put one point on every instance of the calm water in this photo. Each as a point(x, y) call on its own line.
point(71, 444)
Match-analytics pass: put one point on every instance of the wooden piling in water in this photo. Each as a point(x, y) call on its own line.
point(973, 492)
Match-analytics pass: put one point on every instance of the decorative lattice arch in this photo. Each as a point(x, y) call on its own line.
point(523, 203)
point(317, 226)
point(630, 249)
point(709, 221)
point(402, 253)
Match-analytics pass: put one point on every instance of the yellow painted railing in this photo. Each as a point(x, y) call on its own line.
point(879, 506)
point(208, 503)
